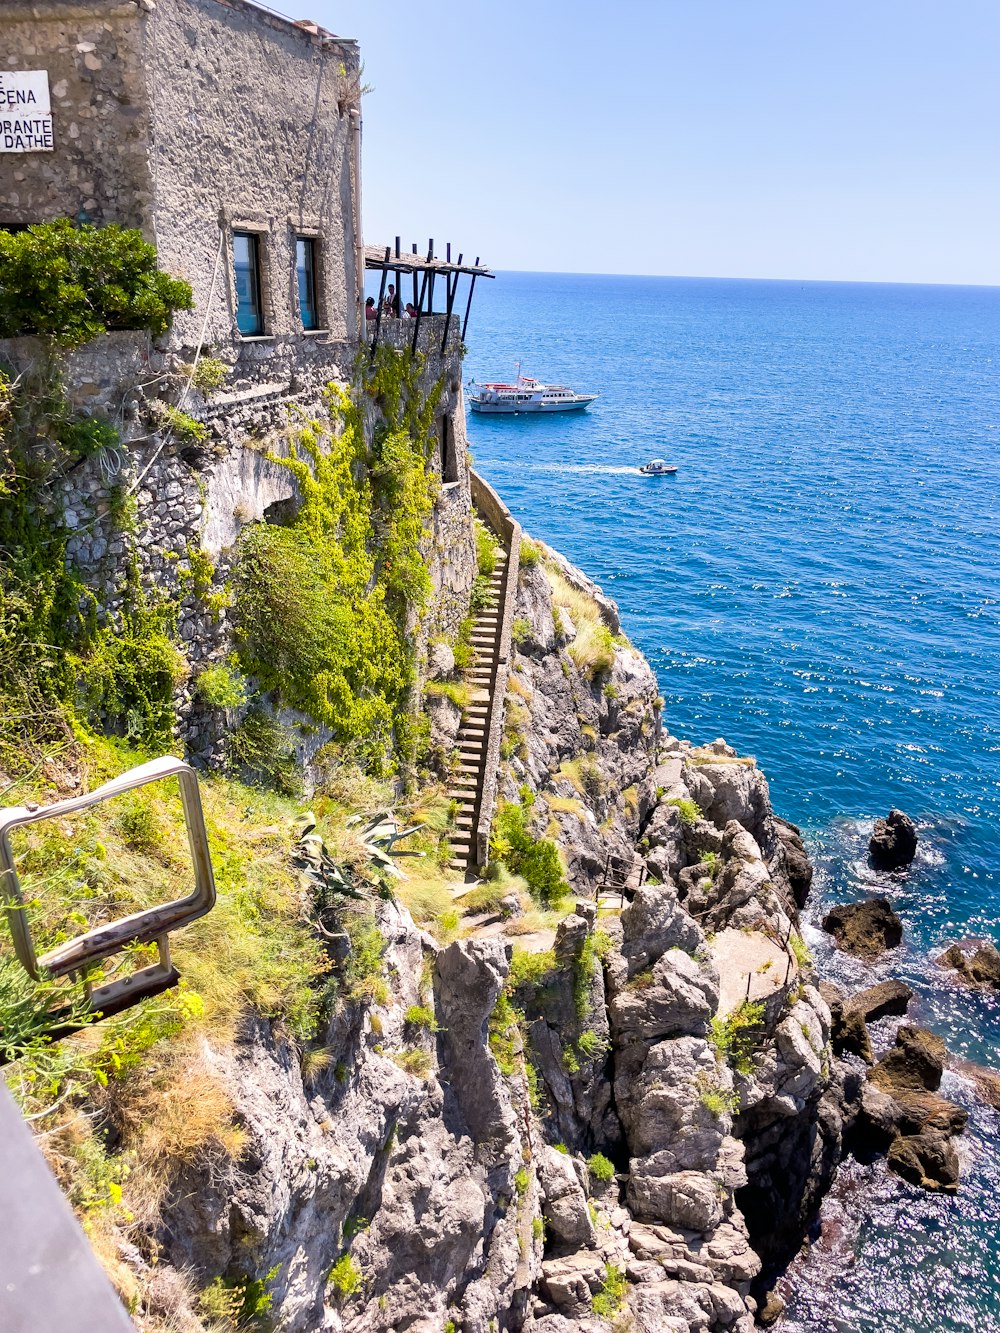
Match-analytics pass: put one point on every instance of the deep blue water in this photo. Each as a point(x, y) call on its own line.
point(820, 584)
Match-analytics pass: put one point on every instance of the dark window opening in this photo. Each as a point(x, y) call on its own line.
point(305, 268)
point(246, 257)
point(449, 460)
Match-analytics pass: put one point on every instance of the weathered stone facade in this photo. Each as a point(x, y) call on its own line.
point(192, 119)
point(189, 119)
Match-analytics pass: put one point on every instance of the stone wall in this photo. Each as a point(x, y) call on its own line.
point(176, 504)
point(100, 109)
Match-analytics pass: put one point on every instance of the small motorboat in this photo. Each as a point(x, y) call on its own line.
point(656, 467)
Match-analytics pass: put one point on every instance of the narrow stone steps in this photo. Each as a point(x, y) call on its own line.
point(466, 782)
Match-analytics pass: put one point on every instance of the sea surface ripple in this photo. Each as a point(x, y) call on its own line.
point(820, 584)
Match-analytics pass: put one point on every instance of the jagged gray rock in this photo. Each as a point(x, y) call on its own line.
point(564, 1201)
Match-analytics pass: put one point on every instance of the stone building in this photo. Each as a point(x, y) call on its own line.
point(230, 136)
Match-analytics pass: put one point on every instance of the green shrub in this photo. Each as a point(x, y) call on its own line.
point(486, 549)
point(711, 862)
point(238, 1303)
point(521, 631)
point(132, 666)
point(481, 595)
point(536, 860)
point(324, 607)
point(420, 1016)
point(717, 1101)
point(530, 969)
point(689, 810)
point(610, 1300)
point(800, 951)
point(734, 1038)
point(220, 686)
point(521, 1182)
point(84, 436)
point(591, 1045)
point(183, 427)
point(344, 1277)
point(457, 691)
point(418, 1063)
point(262, 749)
point(208, 374)
point(72, 283)
point(601, 1168)
point(530, 554)
point(538, 1228)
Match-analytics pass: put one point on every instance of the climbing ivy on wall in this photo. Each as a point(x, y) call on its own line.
point(326, 607)
point(64, 663)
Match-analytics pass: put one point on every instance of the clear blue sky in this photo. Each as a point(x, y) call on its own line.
point(737, 138)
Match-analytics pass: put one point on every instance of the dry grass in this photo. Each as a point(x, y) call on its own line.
point(593, 650)
point(702, 760)
point(519, 687)
point(181, 1116)
point(564, 805)
point(426, 896)
point(584, 773)
point(580, 607)
point(538, 919)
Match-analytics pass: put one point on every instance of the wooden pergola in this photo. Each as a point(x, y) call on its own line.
point(423, 269)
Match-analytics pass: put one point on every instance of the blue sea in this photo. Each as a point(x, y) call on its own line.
point(819, 584)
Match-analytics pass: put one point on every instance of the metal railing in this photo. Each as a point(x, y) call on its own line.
point(76, 956)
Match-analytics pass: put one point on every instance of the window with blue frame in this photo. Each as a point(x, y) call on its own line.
point(246, 259)
point(305, 267)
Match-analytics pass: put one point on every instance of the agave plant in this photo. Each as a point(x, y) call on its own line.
point(380, 835)
point(330, 880)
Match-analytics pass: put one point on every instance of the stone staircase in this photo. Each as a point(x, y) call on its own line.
point(466, 787)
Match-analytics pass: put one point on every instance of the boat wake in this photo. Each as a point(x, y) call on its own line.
point(598, 469)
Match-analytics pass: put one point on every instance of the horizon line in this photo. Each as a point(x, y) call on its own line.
point(725, 277)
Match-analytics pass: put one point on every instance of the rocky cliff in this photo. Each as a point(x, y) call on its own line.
point(625, 1125)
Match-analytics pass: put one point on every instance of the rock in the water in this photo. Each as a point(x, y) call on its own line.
point(893, 844)
point(982, 969)
point(770, 1310)
point(867, 928)
point(888, 997)
point(915, 1062)
point(928, 1160)
point(986, 1081)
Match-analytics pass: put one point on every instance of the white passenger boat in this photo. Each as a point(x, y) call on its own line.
point(525, 395)
point(656, 467)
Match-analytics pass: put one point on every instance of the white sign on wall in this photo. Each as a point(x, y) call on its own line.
point(25, 111)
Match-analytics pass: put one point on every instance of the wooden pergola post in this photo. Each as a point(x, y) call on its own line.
point(381, 298)
point(452, 293)
point(468, 304)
